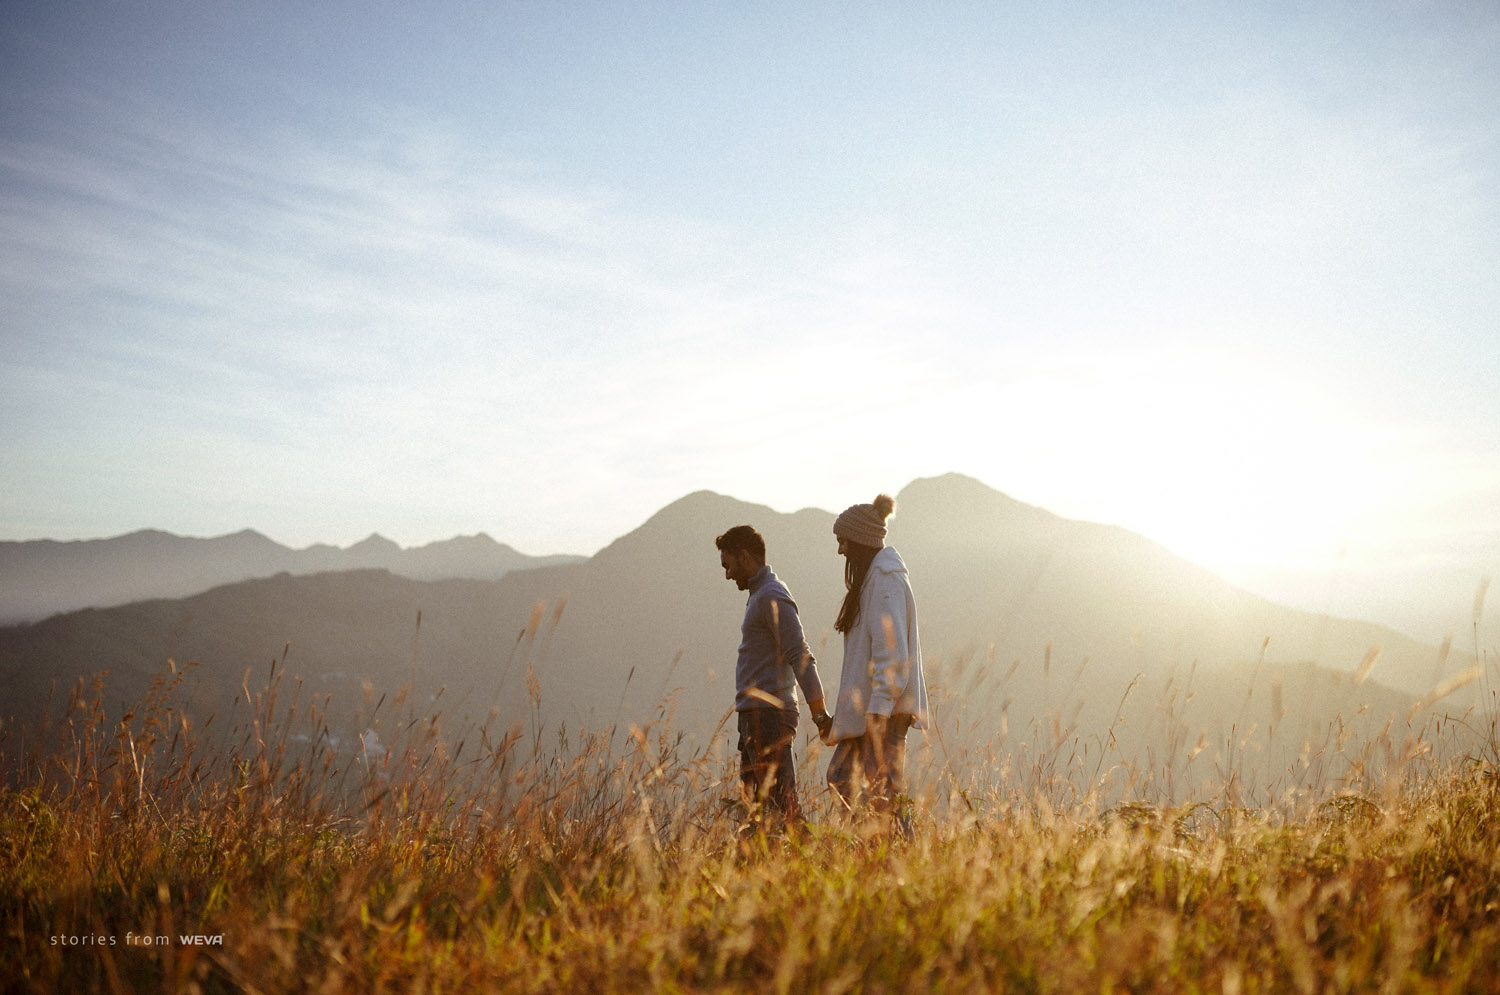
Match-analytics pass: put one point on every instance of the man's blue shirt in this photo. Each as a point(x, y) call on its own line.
point(774, 658)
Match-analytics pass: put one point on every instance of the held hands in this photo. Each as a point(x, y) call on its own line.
point(875, 725)
point(821, 719)
point(824, 722)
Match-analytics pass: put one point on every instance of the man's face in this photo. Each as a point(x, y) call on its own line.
point(739, 566)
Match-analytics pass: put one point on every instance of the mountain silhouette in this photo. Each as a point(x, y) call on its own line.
point(1035, 628)
point(44, 577)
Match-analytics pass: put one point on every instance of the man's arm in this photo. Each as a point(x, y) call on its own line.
point(793, 645)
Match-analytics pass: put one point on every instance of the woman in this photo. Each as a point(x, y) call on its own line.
point(882, 692)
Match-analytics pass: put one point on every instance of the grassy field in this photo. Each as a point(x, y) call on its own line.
point(135, 857)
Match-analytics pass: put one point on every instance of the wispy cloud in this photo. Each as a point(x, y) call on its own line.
point(398, 321)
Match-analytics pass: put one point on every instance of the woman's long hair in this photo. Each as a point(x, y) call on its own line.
point(856, 566)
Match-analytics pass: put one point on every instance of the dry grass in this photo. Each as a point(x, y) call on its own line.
point(524, 863)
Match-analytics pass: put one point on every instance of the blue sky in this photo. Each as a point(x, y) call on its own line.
point(1227, 275)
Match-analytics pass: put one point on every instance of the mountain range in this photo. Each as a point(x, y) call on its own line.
point(1036, 631)
point(43, 577)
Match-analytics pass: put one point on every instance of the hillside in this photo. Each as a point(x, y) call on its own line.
point(1033, 628)
point(155, 863)
point(44, 577)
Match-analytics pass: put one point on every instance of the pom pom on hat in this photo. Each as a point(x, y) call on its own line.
point(865, 523)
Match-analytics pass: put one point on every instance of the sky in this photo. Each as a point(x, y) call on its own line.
point(1225, 274)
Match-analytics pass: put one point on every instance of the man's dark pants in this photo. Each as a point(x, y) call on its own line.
point(767, 776)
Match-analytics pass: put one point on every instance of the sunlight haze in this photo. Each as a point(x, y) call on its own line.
point(1224, 275)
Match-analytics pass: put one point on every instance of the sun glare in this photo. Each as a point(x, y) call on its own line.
point(1219, 461)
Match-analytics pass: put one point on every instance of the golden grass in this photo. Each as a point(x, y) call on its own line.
point(508, 863)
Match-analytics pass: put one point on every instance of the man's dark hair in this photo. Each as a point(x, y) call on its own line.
point(742, 537)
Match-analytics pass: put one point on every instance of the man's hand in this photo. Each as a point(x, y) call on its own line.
point(820, 718)
point(824, 722)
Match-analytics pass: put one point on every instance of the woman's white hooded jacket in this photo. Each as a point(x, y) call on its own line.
point(882, 670)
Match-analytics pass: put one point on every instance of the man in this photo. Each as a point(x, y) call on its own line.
point(882, 690)
point(773, 661)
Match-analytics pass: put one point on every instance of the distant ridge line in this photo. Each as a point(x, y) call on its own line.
point(43, 577)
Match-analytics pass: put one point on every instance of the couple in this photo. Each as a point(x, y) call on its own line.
point(882, 693)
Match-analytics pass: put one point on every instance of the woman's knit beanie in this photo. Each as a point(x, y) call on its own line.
point(865, 523)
